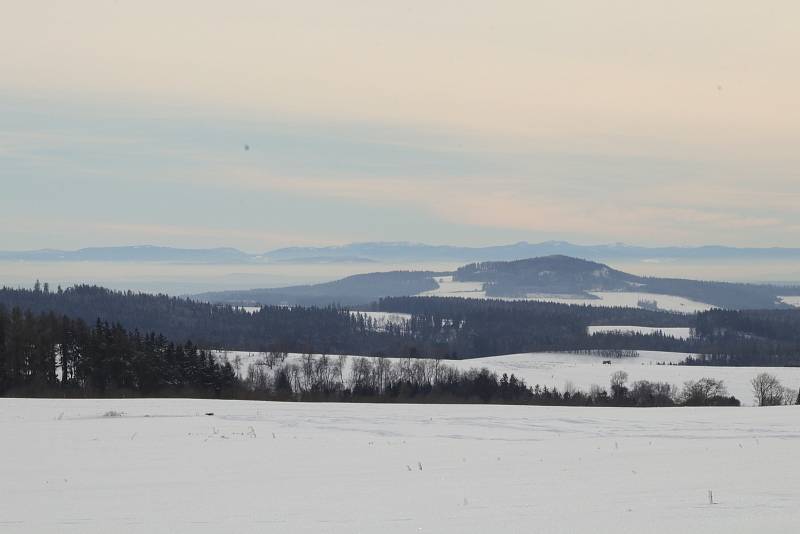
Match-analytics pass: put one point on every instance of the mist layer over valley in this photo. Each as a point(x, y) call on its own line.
point(176, 272)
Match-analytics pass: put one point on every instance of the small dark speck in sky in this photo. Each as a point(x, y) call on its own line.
point(247, 147)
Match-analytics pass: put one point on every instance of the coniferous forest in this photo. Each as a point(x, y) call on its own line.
point(47, 353)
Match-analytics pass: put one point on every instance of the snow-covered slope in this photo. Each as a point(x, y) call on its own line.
point(792, 301)
point(449, 288)
point(165, 467)
point(384, 319)
point(558, 369)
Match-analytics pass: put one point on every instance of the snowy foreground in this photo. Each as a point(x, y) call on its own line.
point(164, 466)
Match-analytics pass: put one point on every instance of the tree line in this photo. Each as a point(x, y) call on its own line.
point(47, 354)
point(361, 379)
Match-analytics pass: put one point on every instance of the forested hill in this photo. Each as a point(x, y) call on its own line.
point(356, 290)
point(547, 275)
point(563, 274)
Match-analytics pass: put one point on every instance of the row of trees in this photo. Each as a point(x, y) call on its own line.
point(316, 377)
point(768, 391)
point(608, 353)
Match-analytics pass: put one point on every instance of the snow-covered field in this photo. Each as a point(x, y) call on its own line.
point(382, 319)
point(165, 467)
point(249, 309)
point(676, 332)
point(792, 301)
point(449, 288)
point(557, 369)
point(632, 298)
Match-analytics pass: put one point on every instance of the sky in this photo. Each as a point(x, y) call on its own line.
point(459, 122)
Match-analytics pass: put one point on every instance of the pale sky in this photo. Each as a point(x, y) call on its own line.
point(463, 122)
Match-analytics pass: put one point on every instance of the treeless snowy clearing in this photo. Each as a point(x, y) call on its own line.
point(791, 301)
point(161, 465)
point(449, 288)
point(383, 319)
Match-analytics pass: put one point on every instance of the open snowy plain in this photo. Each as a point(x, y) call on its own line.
point(158, 465)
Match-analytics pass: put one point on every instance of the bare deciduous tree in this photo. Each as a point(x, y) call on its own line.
point(618, 389)
point(767, 390)
point(258, 379)
point(646, 393)
point(789, 396)
point(274, 358)
point(619, 378)
point(702, 392)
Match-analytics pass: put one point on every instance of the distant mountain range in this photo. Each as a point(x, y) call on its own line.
point(384, 252)
point(402, 251)
point(548, 275)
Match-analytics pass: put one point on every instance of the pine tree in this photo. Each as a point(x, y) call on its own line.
point(3, 364)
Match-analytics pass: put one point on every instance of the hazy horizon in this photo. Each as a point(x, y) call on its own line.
point(187, 278)
point(265, 124)
point(312, 245)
